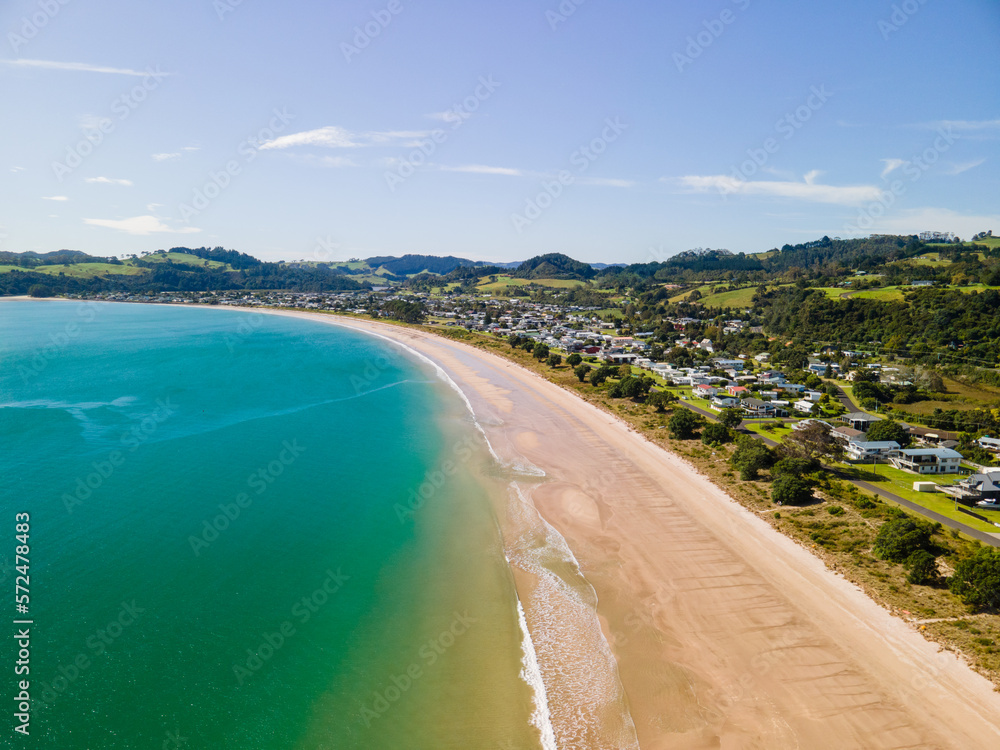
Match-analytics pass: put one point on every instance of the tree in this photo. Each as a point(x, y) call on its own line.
point(554, 360)
point(828, 372)
point(887, 429)
point(598, 378)
point(581, 371)
point(731, 418)
point(528, 345)
point(683, 424)
point(977, 579)
point(660, 399)
point(574, 359)
point(39, 290)
point(795, 467)
point(789, 489)
point(923, 568)
point(715, 433)
point(751, 457)
point(624, 371)
point(812, 441)
point(540, 351)
point(899, 538)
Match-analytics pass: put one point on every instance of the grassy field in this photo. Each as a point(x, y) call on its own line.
point(929, 259)
point(505, 282)
point(834, 292)
point(769, 428)
point(737, 298)
point(900, 482)
point(185, 259)
point(886, 294)
point(90, 270)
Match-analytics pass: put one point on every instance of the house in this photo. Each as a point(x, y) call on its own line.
point(846, 434)
point(790, 387)
point(725, 402)
point(705, 391)
point(813, 396)
point(990, 444)
point(737, 391)
point(870, 450)
point(926, 460)
point(803, 406)
point(728, 364)
point(976, 488)
point(858, 420)
point(754, 407)
point(921, 283)
point(763, 357)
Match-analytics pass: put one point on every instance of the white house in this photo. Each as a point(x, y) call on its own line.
point(870, 450)
point(927, 460)
point(803, 406)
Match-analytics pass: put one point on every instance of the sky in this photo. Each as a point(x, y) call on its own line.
point(613, 132)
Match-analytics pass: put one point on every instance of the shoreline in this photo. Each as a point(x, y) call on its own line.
point(788, 620)
point(725, 632)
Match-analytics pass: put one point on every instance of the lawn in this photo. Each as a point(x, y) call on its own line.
point(90, 270)
point(736, 298)
point(769, 428)
point(505, 282)
point(886, 294)
point(185, 259)
point(834, 292)
point(901, 483)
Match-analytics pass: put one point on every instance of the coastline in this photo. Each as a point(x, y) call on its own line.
point(724, 632)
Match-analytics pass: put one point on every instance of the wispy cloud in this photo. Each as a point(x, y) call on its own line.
point(16, 169)
point(167, 157)
point(332, 136)
point(806, 190)
point(75, 66)
point(484, 169)
point(605, 182)
point(140, 225)
point(108, 181)
point(955, 169)
point(55, 198)
point(964, 125)
point(891, 165)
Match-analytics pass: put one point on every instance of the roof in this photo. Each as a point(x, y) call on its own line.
point(876, 444)
point(860, 416)
point(939, 452)
point(848, 431)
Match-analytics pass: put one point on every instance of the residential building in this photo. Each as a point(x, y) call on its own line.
point(858, 420)
point(870, 450)
point(804, 406)
point(976, 488)
point(926, 460)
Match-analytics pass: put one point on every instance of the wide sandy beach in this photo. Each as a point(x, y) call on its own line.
point(725, 633)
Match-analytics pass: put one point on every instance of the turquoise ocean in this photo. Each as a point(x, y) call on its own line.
point(251, 531)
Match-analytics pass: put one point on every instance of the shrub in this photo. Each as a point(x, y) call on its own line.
point(977, 578)
point(554, 360)
point(835, 510)
point(922, 567)
point(683, 424)
point(751, 457)
point(790, 490)
point(715, 433)
point(574, 359)
point(899, 538)
point(581, 371)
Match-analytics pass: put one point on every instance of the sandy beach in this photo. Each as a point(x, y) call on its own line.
point(724, 633)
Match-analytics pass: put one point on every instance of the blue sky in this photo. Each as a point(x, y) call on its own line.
point(615, 132)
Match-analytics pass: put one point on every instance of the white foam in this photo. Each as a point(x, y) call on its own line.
point(531, 673)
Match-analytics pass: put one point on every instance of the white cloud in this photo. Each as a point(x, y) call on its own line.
point(891, 165)
point(80, 67)
point(140, 225)
point(807, 190)
point(151, 207)
point(484, 169)
point(965, 125)
point(915, 220)
point(191, 148)
point(332, 136)
point(964, 166)
point(108, 181)
point(166, 157)
point(15, 170)
point(810, 176)
point(55, 198)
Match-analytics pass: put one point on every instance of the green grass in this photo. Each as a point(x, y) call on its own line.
point(185, 259)
point(776, 433)
point(505, 282)
point(900, 483)
point(834, 292)
point(886, 294)
point(736, 298)
point(90, 270)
